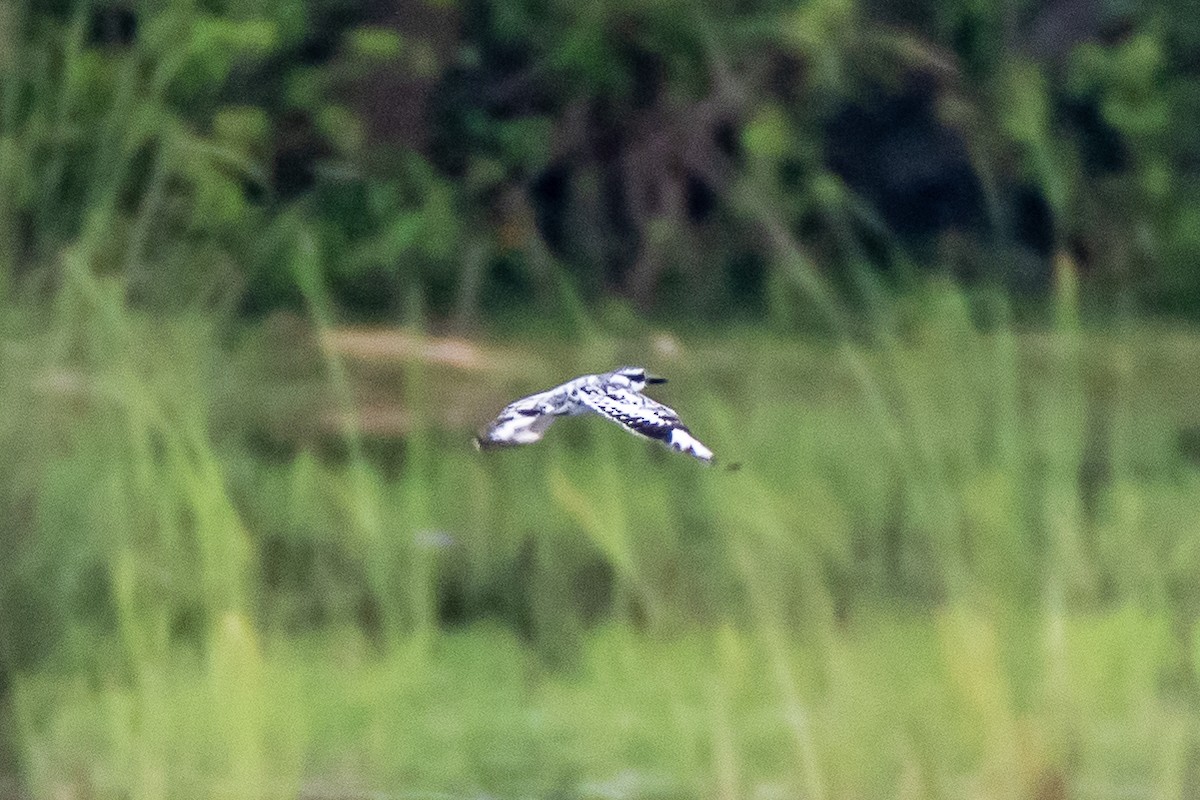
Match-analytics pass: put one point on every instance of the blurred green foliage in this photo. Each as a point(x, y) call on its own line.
point(244, 560)
point(476, 158)
point(961, 558)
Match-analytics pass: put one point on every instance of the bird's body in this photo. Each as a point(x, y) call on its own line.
point(615, 395)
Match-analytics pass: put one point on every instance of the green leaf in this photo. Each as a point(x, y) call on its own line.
point(341, 127)
point(1026, 106)
point(374, 43)
point(768, 135)
point(245, 127)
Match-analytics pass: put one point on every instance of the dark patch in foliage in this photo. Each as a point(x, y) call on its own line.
point(746, 282)
point(30, 627)
point(325, 34)
point(726, 138)
point(461, 602)
point(115, 26)
point(500, 83)
point(369, 293)
point(534, 593)
point(649, 76)
point(311, 582)
point(263, 297)
point(450, 150)
point(915, 171)
point(506, 285)
point(369, 616)
point(1033, 220)
point(1188, 443)
point(269, 448)
point(701, 199)
point(1104, 151)
point(189, 623)
point(298, 150)
point(550, 193)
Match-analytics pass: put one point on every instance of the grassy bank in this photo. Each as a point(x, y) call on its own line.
point(958, 560)
point(959, 703)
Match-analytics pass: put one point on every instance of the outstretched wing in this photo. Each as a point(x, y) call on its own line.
point(639, 414)
point(521, 422)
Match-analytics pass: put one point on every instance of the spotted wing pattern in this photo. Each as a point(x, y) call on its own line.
point(521, 422)
point(639, 414)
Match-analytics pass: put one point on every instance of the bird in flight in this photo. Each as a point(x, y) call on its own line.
point(615, 395)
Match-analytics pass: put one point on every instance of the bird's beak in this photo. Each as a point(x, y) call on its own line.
point(655, 379)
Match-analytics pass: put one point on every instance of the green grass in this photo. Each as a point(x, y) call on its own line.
point(958, 561)
point(954, 563)
point(950, 704)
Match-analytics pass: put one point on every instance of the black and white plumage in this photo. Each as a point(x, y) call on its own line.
point(615, 395)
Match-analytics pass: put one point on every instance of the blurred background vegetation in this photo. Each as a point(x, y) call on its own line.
point(925, 269)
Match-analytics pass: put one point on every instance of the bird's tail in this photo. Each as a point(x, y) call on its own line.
point(683, 441)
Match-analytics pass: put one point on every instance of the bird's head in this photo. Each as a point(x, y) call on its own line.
point(635, 377)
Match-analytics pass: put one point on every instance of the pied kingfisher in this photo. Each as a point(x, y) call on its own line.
point(615, 395)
